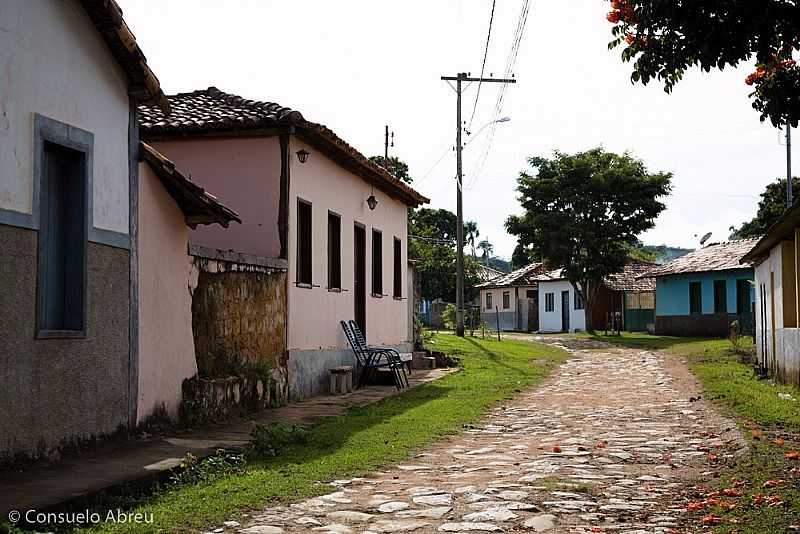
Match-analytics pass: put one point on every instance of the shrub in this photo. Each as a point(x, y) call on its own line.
point(222, 463)
point(449, 316)
point(273, 438)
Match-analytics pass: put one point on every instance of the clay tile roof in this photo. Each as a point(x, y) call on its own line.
point(526, 276)
point(487, 273)
point(632, 277)
point(714, 257)
point(106, 15)
point(197, 205)
point(211, 111)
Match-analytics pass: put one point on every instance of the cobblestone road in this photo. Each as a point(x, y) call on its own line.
point(604, 445)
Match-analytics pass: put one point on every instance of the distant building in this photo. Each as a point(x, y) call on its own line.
point(777, 328)
point(624, 302)
point(512, 299)
point(701, 293)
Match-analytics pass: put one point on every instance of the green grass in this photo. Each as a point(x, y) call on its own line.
point(764, 418)
point(362, 439)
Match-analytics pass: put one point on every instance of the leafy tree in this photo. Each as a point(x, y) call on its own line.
point(487, 249)
point(436, 252)
point(584, 211)
point(395, 166)
point(471, 234)
point(770, 208)
point(521, 256)
point(664, 39)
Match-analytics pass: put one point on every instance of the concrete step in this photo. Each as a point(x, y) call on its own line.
point(421, 360)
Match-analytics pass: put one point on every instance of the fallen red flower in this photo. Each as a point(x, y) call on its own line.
point(732, 492)
point(772, 483)
point(792, 455)
point(710, 519)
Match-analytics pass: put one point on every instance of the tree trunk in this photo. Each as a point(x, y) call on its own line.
point(587, 291)
point(587, 311)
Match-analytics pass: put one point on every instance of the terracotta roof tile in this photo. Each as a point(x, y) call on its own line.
point(525, 276)
point(211, 111)
point(715, 257)
point(630, 279)
point(487, 273)
point(106, 15)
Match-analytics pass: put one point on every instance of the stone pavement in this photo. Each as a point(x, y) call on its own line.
point(604, 445)
point(112, 464)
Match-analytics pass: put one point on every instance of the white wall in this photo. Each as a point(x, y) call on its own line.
point(497, 299)
point(53, 62)
point(782, 358)
point(314, 313)
point(551, 321)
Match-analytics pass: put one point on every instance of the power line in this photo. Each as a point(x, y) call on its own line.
point(433, 167)
point(511, 61)
point(483, 65)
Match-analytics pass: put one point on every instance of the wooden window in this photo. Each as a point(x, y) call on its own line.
point(506, 300)
point(695, 298)
point(62, 241)
point(304, 250)
point(720, 296)
point(530, 293)
point(334, 251)
point(743, 297)
point(489, 301)
point(549, 302)
point(578, 304)
point(398, 269)
point(377, 263)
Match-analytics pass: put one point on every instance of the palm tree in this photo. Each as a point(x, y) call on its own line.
point(472, 234)
point(487, 249)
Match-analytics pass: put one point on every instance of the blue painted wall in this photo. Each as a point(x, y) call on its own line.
point(672, 292)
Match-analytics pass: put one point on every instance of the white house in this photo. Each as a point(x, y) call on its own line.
point(73, 75)
point(775, 257)
point(560, 307)
point(511, 300)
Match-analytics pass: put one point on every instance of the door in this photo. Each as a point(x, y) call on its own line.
point(565, 311)
point(360, 277)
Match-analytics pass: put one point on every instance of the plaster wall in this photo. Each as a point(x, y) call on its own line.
point(672, 292)
point(244, 173)
point(54, 63)
point(314, 313)
point(551, 321)
point(58, 393)
point(782, 358)
point(166, 345)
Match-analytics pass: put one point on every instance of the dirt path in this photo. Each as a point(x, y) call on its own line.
point(604, 445)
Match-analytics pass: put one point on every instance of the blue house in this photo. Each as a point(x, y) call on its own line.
point(703, 292)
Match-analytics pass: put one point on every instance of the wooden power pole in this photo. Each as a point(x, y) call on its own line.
point(460, 78)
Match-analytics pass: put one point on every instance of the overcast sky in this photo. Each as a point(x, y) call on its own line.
point(357, 65)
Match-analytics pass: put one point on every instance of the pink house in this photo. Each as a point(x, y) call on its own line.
point(169, 205)
point(306, 198)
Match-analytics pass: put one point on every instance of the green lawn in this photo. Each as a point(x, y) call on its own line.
point(363, 439)
point(770, 423)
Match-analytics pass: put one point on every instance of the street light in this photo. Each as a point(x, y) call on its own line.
point(482, 128)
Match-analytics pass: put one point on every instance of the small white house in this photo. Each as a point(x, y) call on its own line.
point(561, 309)
point(777, 335)
point(510, 301)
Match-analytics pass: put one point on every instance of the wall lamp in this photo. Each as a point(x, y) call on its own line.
point(372, 202)
point(302, 155)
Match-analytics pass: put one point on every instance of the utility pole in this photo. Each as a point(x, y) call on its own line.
point(460, 78)
point(789, 199)
point(386, 144)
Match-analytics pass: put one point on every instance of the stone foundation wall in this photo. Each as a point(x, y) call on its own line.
point(239, 319)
